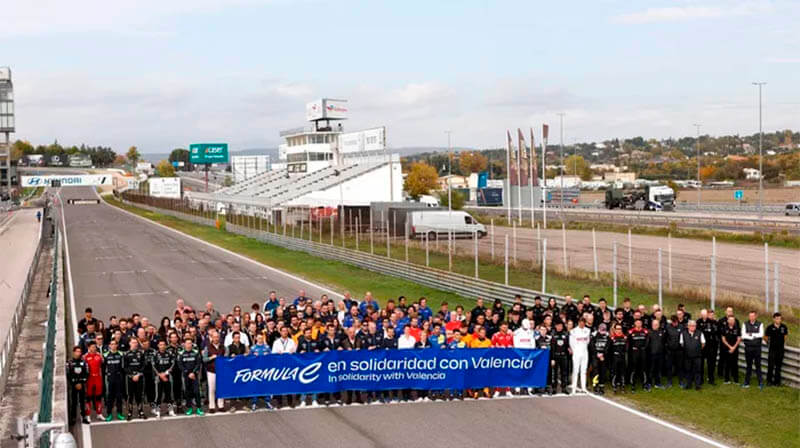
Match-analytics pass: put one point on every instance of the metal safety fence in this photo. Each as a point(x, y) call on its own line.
point(464, 285)
point(46, 391)
point(18, 314)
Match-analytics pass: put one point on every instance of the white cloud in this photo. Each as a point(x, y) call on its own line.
point(777, 60)
point(694, 12)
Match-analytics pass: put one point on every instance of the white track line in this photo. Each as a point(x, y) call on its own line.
point(659, 421)
point(86, 433)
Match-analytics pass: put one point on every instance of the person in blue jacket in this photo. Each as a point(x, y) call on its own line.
point(260, 348)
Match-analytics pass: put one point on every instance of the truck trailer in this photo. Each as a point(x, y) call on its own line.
point(650, 197)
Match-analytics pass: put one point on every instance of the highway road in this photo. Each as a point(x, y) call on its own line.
point(122, 264)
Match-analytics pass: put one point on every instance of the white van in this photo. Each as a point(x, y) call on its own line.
point(793, 209)
point(439, 223)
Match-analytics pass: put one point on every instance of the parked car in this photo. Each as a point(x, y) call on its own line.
point(793, 209)
point(437, 224)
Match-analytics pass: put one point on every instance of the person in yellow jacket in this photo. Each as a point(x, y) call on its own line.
point(480, 342)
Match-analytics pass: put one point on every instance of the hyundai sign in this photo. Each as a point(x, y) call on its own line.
point(206, 153)
point(93, 180)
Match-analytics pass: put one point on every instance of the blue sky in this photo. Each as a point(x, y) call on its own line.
point(164, 74)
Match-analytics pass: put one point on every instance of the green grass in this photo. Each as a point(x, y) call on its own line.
point(727, 413)
point(749, 417)
point(777, 239)
point(35, 192)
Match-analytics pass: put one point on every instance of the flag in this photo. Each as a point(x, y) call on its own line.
point(545, 128)
point(512, 157)
point(523, 159)
point(534, 167)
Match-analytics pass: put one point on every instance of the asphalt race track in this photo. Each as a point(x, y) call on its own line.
point(552, 422)
point(122, 264)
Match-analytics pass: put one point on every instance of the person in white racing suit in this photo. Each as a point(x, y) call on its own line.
point(524, 337)
point(579, 338)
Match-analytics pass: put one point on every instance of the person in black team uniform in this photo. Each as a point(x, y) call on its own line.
point(674, 358)
point(149, 374)
point(389, 342)
point(637, 358)
point(190, 363)
point(693, 341)
point(752, 335)
point(723, 350)
point(655, 354)
point(559, 353)
point(598, 351)
point(77, 376)
point(134, 374)
point(618, 351)
point(776, 335)
point(163, 362)
point(115, 381)
point(709, 327)
point(731, 338)
point(174, 349)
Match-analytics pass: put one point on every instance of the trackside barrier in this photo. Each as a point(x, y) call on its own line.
point(48, 366)
point(11, 337)
point(463, 285)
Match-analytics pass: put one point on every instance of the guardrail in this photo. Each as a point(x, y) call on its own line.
point(10, 342)
point(447, 281)
point(48, 365)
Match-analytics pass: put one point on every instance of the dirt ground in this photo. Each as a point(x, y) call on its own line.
point(773, 196)
point(739, 267)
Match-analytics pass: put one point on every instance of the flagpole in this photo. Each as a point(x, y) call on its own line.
point(508, 174)
point(530, 172)
point(521, 144)
point(544, 175)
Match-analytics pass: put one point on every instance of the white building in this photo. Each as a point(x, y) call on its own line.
point(751, 173)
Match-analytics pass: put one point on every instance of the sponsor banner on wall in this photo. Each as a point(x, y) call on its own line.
point(80, 180)
point(165, 187)
point(427, 369)
point(368, 140)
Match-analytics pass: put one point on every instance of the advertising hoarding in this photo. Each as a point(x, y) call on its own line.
point(165, 187)
point(205, 153)
point(368, 140)
point(326, 109)
point(67, 180)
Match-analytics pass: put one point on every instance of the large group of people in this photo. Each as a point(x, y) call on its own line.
point(129, 365)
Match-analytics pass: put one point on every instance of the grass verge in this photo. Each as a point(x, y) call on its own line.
point(777, 239)
point(745, 417)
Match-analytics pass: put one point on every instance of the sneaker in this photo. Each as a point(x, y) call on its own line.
point(109, 417)
point(120, 417)
point(727, 382)
point(517, 390)
point(130, 416)
point(142, 415)
point(189, 411)
point(200, 412)
point(253, 407)
point(153, 408)
point(157, 412)
point(86, 421)
point(171, 411)
point(303, 404)
point(496, 394)
point(761, 386)
point(268, 406)
point(314, 403)
point(745, 386)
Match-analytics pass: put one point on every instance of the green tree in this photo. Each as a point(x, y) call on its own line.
point(165, 169)
point(180, 155)
point(458, 199)
point(577, 166)
point(420, 180)
point(133, 156)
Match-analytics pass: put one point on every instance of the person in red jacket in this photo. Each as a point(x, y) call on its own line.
point(94, 386)
point(503, 338)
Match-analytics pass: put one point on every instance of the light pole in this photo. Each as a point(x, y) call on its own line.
point(699, 182)
point(449, 173)
point(760, 155)
point(561, 150)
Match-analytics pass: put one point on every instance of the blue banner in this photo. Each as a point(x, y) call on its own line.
point(427, 369)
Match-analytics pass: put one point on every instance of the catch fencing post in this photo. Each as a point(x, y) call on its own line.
point(302, 221)
point(321, 225)
point(614, 268)
point(406, 245)
point(713, 271)
point(371, 237)
point(427, 256)
point(630, 257)
point(669, 259)
point(475, 239)
point(776, 289)
point(332, 228)
point(283, 218)
point(388, 247)
point(514, 240)
point(544, 265)
point(594, 252)
point(450, 250)
point(356, 232)
point(564, 246)
point(506, 258)
point(660, 288)
point(766, 275)
point(491, 224)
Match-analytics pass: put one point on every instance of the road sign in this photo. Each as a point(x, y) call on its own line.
point(205, 153)
point(738, 195)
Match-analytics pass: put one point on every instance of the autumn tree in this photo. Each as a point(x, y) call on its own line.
point(472, 162)
point(133, 155)
point(421, 179)
point(165, 169)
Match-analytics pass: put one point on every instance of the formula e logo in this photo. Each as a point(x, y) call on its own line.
point(306, 375)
